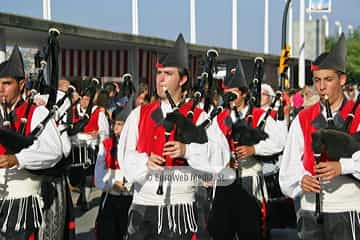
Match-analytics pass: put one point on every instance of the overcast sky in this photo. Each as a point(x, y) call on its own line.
point(166, 18)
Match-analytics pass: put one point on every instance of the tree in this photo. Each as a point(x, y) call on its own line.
point(353, 53)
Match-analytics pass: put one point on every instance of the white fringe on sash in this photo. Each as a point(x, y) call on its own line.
point(4, 227)
point(22, 212)
point(174, 223)
point(353, 216)
point(26, 207)
point(173, 211)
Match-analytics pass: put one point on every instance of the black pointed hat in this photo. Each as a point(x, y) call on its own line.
point(120, 113)
point(235, 77)
point(178, 55)
point(14, 66)
point(335, 59)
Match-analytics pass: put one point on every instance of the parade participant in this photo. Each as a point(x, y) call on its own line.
point(239, 209)
point(58, 206)
point(142, 96)
point(143, 149)
point(21, 213)
point(339, 196)
point(111, 104)
point(267, 96)
point(95, 131)
point(112, 220)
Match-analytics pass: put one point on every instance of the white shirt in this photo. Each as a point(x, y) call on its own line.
point(103, 123)
point(340, 194)
point(45, 152)
point(106, 178)
point(65, 140)
point(209, 157)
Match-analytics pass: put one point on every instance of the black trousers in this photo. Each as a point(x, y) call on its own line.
point(21, 235)
point(112, 220)
point(335, 226)
point(235, 212)
point(143, 225)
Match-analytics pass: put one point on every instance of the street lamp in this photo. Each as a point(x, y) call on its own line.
point(234, 24)
point(135, 17)
point(192, 22)
point(339, 27)
point(266, 27)
point(47, 9)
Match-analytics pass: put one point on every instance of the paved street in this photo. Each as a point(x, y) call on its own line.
point(85, 220)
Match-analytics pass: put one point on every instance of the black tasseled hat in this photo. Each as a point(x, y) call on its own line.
point(178, 55)
point(235, 77)
point(335, 59)
point(14, 66)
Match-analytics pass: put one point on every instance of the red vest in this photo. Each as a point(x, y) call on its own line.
point(226, 128)
point(152, 135)
point(20, 112)
point(273, 114)
point(111, 161)
point(307, 116)
point(92, 124)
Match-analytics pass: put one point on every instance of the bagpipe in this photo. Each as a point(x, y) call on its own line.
point(185, 130)
point(210, 67)
point(332, 143)
point(207, 81)
point(47, 82)
point(50, 63)
point(242, 131)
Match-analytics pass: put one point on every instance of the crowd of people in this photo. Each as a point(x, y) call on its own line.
point(168, 169)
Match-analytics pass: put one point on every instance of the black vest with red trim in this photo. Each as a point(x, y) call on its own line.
point(111, 161)
point(306, 118)
point(152, 133)
point(92, 125)
point(15, 125)
point(225, 123)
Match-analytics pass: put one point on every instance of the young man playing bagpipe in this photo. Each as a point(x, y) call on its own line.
point(112, 220)
point(240, 209)
point(20, 212)
point(321, 161)
point(90, 127)
point(159, 147)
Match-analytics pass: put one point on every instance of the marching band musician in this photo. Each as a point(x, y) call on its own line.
point(58, 207)
point(267, 96)
point(239, 208)
point(112, 219)
point(21, 213)
point(299, 174)
point(96, 130)
point(143, 149)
